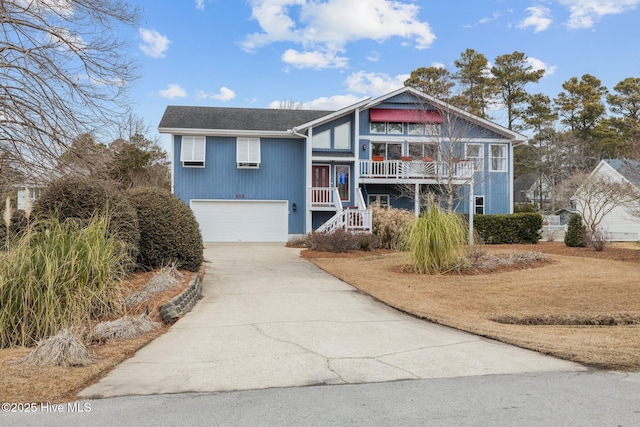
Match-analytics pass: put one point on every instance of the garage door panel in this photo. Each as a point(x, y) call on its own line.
point(242, 221)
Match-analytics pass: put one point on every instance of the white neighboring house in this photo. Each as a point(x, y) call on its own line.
point(622, 223)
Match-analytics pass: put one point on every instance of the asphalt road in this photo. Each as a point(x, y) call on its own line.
point(542, 399)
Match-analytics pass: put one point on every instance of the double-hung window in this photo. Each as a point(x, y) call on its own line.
point(248, 153)
point(498, 157)
point(193, 151)
point(475, 154)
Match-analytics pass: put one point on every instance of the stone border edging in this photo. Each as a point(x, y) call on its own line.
point(183, 303)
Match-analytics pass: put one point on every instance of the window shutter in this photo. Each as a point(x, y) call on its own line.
point(248, 152)
point(193, 151)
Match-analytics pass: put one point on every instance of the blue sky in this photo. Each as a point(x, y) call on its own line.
point(328, 54)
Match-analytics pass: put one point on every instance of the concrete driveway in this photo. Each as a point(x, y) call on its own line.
point(271, 319)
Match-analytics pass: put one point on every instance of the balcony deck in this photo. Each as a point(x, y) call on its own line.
point(402, 170)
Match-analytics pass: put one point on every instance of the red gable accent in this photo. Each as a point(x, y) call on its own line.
point(404, 116)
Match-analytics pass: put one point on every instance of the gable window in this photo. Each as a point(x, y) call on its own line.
point(322, 139)
point(394, 128)
point(193, 151)
point(342, 137)
point(381, 200)
point(415, 129)
point(248, 153)
point(475, 153)
point(432, 129)
point(479, 205)
point(498, 157)
point(378, 127)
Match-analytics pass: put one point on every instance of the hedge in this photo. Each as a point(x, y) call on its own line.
point(514, 228)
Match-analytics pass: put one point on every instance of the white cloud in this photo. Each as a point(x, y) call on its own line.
point(153, 43)
point(537, 64)
point(314, 59)
point(374, 83)
point(438, 65)
point(200, 4)
point(173, 91)
point(540, 19)
point(494, 17)
point(224, 94)
point(332, 103)
point(325, 28)
point(373, 56)
point(584, 13)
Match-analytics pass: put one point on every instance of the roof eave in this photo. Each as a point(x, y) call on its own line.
point(224, 132)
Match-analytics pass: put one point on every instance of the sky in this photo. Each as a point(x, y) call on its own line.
point(328, 54)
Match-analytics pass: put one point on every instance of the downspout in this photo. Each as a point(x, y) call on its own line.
point(308, 164)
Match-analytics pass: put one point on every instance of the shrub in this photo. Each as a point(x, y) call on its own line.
point(435, 239)
point(337, 242)
point(576, 235)
point(515, 228)
point(169, 232)
point(598, 239)
point(57, 275)
point(391, 227)
point(84, 198)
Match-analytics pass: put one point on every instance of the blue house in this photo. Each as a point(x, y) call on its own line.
point(265, 175)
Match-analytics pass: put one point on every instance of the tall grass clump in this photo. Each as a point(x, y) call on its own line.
point(435, 240)
point(57, 275)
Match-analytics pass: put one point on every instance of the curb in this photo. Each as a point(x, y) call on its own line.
point(183, 303)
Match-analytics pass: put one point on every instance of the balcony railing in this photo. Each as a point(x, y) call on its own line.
point(415, 169)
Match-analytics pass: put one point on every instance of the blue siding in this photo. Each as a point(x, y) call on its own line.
point(281, 175)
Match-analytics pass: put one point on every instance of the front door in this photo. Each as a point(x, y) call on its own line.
point(320, 183)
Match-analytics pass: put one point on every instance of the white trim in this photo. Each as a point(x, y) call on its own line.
point(228, 132)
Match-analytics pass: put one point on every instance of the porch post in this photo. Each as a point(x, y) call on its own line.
point(472, 209)
point(416, 200)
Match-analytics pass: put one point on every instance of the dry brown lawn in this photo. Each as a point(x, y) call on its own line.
point(579, 285)
point(21, 383)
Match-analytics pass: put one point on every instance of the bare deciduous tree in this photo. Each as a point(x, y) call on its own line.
point(456, 166)
point(62, 74)
point(599, 195)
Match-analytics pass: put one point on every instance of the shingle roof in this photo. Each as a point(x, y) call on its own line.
point(630, 169)
point(220, 118)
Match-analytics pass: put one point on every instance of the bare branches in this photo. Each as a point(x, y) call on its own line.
point(61, 74)
point(599, 195)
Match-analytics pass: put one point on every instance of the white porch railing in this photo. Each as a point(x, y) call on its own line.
point(357, 220)
point(416, 169)
point(353, 220)
point(328, 197)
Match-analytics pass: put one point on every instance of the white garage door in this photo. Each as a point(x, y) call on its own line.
point(242, 220)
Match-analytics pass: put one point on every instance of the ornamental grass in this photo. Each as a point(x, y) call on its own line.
point(56, 275)
point(435, 241)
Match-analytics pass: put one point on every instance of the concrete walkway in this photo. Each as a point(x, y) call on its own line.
point(271, 319)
